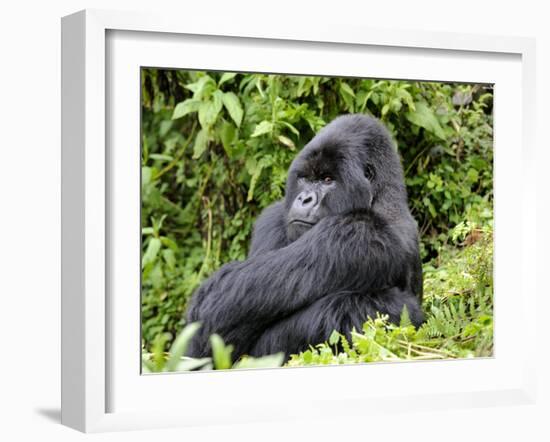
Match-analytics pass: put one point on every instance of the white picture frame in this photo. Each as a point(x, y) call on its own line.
point(102, 389)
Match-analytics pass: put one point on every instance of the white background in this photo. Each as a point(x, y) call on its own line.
point(30, 216)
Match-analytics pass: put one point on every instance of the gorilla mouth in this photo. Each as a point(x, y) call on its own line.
point(301, 222)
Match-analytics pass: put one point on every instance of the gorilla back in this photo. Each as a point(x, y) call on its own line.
point(340, 248)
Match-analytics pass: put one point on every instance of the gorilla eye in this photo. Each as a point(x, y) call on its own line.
point(369, 172)
point(327, 179)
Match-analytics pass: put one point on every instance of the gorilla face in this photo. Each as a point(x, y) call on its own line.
point(336, 173)
point(317, 181)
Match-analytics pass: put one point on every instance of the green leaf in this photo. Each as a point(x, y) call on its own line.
point(424, 117)
point(253, 181)
point(286, 142)
point(147, 366)
point(334, 338)
point(233, 106)
point(262, 128)
point(146, 174)
point(165, 126)
point(209, 110)
point(308, 356)
point(473, 175)
point(201, 142)
point(405, 319)
point(161, 157)
point(170, 258)
point(362, 99)
point(255, 168)
point(180, 345)
point(202, 87)
point(186, 107)
point(291, 127)
point(270, 361)
point(228, 135)
point(152, 251)
point(226, 77)
point(221, 354)
point(187, 364)
point(347, 94)
point(147, 231)
point(346, 89)
point(169, 243)
point(156, 276)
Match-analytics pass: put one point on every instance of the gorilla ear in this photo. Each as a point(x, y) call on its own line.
point(369, 172)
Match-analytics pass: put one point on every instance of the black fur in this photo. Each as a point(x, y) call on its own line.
point(339, 248)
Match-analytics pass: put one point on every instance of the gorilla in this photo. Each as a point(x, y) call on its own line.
point(341, 247)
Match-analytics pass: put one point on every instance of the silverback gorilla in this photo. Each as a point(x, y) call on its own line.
point(339, 248)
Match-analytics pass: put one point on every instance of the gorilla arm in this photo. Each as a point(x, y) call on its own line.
point(341, 253)
point(341, 311)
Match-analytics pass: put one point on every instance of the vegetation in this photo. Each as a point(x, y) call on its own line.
point(215, 151)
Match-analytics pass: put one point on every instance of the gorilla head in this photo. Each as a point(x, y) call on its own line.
point(350, 165)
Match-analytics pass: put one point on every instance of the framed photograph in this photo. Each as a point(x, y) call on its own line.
point(253, 216)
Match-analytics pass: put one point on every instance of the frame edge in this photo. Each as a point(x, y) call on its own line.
point(73, 80)
point(83, 345)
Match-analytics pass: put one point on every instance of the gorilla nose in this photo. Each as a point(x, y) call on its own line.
point(306, 200)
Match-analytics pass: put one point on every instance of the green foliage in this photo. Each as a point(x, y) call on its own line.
point(173, 360)
point(216, 148)
point(458, 302)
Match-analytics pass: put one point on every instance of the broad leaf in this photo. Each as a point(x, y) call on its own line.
point(151, 253)
point(186, 107)
point(255, 168)
point(221, 354)
point(424, 117)
point(188, 364)
point(209, 110)
point(270, 361)
point(334, 338)
point(262, 128)
point(286, 141)
point(180, 345)
point(202, 87)
point(228, 134)
point(201, 142)
point(226, 77)
point(233, 106)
